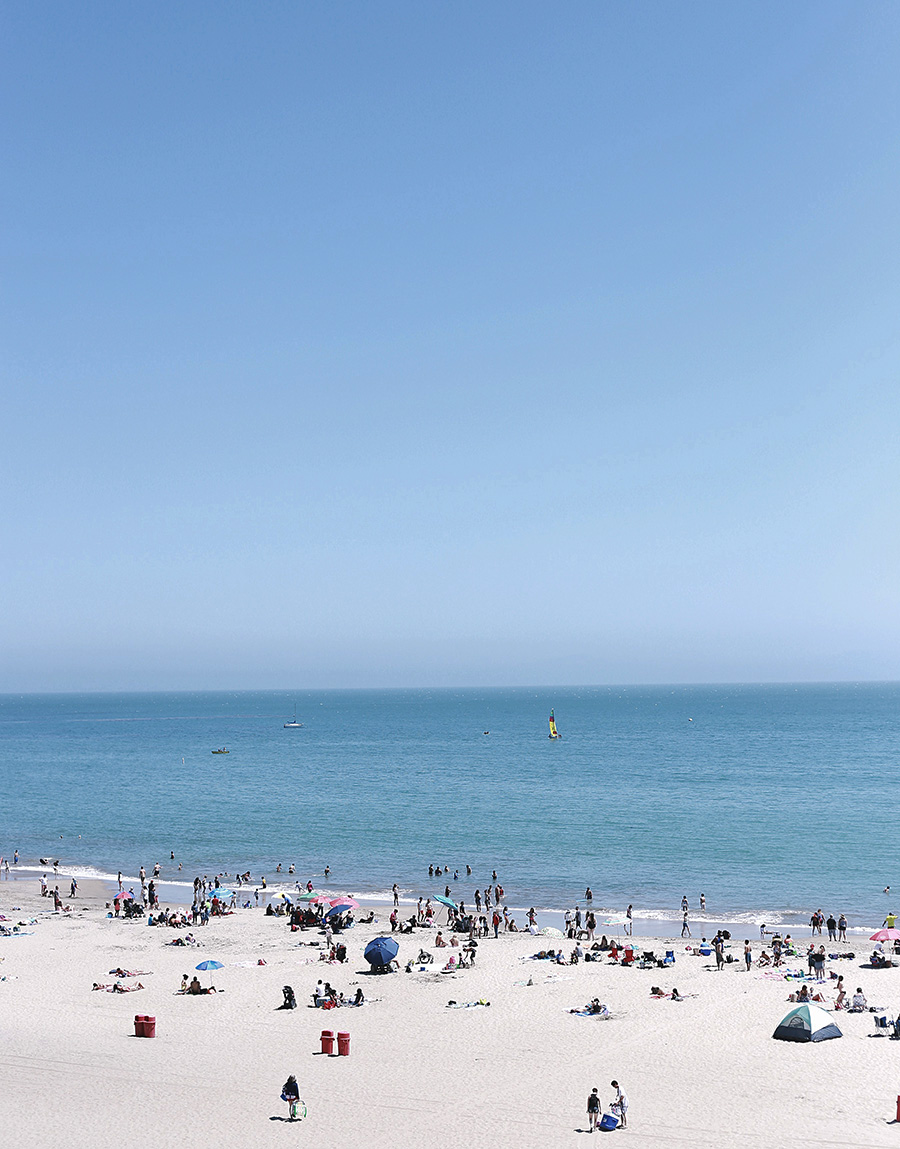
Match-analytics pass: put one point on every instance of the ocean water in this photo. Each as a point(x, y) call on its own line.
point(771, 800)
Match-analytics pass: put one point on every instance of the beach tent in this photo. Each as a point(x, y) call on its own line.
point(806, 1023)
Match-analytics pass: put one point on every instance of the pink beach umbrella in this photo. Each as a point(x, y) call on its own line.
point(885, 936)
point(350, 903)
point(320, 899)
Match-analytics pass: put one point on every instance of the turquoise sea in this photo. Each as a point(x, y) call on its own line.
point(771, 800)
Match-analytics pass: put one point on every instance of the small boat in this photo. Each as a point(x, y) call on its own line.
point(554, 733)
point(222, 751)
point(293, 724)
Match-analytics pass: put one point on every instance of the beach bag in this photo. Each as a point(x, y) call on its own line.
point(608, 1122)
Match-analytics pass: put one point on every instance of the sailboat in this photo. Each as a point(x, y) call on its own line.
point(293, 724)
point(554, 733)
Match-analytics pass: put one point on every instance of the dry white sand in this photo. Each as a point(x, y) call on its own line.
point(419, 1074)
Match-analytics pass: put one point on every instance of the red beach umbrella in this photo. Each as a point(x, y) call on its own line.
point(885, 936)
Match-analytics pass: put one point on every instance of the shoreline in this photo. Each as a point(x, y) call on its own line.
point(646, 923)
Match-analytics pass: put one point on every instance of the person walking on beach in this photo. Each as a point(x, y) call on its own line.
point(73, 888)
point(719, 947)
point(593, 1109)
point(396, 894)
point(620, 1104)
point(629, 921)
point(685, 927)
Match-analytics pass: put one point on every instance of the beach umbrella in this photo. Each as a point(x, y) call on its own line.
point(381, 951)
point(221, 894)
point(319, 899)
point(284, 896)
point(445, 901)
point(307, 895)
point(122, 894)
point(210, 965)
point(615, 922)
point(351, 903)
point(885, 936)
point(552, 932)
point(340, 908)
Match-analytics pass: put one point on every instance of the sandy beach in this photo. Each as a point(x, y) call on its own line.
point(419, 1073)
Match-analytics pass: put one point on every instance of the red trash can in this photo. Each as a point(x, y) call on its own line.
point(343, 1045)
point(139, 1019)
point(149, 1026)
point(327, 1041)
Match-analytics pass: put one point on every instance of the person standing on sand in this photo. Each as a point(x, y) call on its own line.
point(831, 926)
point(73, 888)
point(396, 894)
point(593, 1109)
point(842, 928)
point(685, 928)
point(748, 954)
point(629, 921)
point(620, 1104)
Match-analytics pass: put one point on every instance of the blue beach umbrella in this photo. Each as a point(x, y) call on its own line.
point(381, 951)
point(445, 901)
point(210, 965)
point(221, 894)
point(340, 908)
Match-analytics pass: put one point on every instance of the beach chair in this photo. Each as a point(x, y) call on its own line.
point(669, 959)
point(648, 960)
point(628, 956)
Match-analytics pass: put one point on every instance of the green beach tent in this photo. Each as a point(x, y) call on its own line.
point(806, 1022)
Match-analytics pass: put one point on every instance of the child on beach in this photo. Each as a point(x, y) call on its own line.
point(593, 1109)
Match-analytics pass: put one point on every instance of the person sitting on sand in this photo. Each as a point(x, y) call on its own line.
point(858, 1004)
point(676, 996)
point(439, 940)
point(196, 987)
point(802, 996)
point(763, 959)
point(184, 983)
point(360, 997)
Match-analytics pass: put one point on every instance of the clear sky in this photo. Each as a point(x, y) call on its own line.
point(474, 343)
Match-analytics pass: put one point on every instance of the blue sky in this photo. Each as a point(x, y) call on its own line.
point(409, 344)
